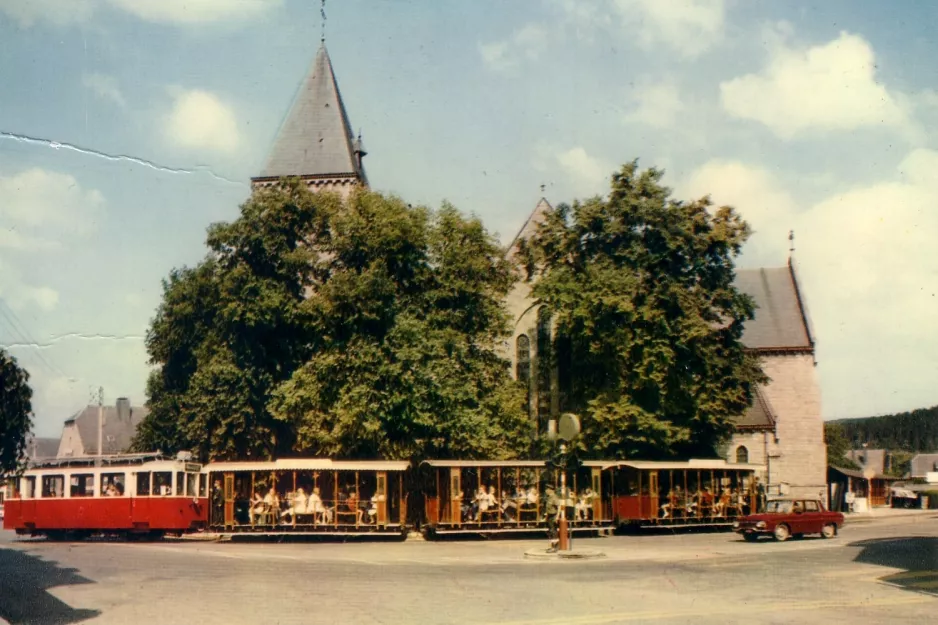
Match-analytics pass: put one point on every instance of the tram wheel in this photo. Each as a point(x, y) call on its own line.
point(55, 535)
point(782, 532)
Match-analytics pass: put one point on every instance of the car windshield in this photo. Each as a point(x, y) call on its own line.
point(778, 507)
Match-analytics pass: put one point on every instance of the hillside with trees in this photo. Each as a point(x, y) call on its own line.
point(915, 431)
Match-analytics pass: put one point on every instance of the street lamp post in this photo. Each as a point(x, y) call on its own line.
point(568, 429)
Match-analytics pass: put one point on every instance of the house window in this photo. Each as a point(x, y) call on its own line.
point(742, 455)
point(523, 353)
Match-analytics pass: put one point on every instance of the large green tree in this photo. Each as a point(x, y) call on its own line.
point(346, 328)
point(15, 412)
point(640, 289)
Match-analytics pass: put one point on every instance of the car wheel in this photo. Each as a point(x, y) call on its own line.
point(781, 532)
point(829, 531)
point(750, 538)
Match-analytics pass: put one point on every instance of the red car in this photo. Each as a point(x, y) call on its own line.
point(784, 518)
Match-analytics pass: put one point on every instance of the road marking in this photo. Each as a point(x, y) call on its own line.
point(748, 609)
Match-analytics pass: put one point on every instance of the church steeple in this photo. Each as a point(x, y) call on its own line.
point(315, 141)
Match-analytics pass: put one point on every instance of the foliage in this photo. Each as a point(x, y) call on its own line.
point(640, 286)
point(15, 413)
point(915, 431)
point(837, 446)
point(899, 463)
point(359, 328)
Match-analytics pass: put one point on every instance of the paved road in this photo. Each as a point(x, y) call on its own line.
point(881, 572)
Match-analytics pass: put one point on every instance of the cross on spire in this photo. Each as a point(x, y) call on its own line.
point(322, 12)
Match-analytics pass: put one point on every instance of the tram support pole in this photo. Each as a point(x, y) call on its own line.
point(563, 539)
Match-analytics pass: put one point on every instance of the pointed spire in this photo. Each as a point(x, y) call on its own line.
point(315, 140)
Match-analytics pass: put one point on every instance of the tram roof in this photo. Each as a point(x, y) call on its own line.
point(714, 464)
point(456, 464)
point(309, 464)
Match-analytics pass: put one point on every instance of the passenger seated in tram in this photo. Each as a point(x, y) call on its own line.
point(111, 491)
point(257, 507)
point(298, 505)
point(494, 508)
point(584, 507)
point(373, 508)
point(671, 503)
point(272, 505)
point(510, 504)
point(314, 506)
point(721, 504)
point(706, 501)
point(480, 503)
point(350, 507)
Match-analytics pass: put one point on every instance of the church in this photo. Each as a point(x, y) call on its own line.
point(783, 431)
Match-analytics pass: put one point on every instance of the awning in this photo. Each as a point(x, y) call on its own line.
point(485, 464)
point(308, 464)
point(860, 475)
point(715, 464)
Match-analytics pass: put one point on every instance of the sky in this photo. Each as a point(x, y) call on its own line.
point(128, 126)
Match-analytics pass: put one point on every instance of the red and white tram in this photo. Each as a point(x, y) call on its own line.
point(130, 495)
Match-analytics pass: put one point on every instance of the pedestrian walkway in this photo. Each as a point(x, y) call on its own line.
point(887, 513)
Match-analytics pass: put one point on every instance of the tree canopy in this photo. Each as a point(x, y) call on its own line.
point(837, 446)
point(358, 328)
point(909, 431)
point(15, 412)
point(640, 290)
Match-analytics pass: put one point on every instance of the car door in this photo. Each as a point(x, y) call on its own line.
point(812, 519)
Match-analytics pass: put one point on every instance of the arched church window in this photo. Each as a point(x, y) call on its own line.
point(523, 357)
point(742, 455)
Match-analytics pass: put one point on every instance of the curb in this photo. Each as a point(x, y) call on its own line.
point(544, 554)
point(874, 518)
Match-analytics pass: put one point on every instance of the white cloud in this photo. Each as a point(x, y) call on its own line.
point(19, 294)
point(754, 192)
point(50, 201)
point(525, 44)
point(201, 121)
point(57, 12)
point(588, 175)
point(63, 12)
point(655, 104)
point(869, 269)
point(687, 26)
point(105, 87)
point(195, 11)
point(40, 211)
point(827, 87)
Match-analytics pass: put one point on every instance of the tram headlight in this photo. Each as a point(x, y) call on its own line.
point(760, 525)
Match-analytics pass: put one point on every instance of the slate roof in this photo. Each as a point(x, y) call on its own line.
point(923, 463)
point(781, 319)
point(42, 448)
point(760, 415)
point(118, 430)
point(869, 458)
point(316, 138)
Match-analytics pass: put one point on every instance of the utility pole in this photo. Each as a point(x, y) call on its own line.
point(100, 421)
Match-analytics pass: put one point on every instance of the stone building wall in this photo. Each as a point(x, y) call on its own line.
point(796, 399)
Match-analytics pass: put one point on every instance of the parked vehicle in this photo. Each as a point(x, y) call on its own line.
point(784, 518)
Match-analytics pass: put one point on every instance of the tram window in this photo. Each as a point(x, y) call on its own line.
point(29, 487)
point(143, 483)
point(53, 486)
point(162, 483)
point(180, 483)
point(112, 484)
point(203, 484)
point(82, 485)
point(192, 482)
